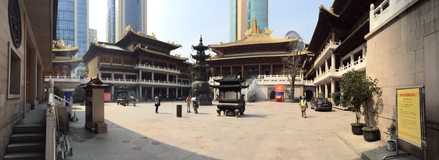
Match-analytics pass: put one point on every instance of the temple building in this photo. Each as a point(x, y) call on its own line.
point(142, 63)
point(338, 45)
point(258, 58)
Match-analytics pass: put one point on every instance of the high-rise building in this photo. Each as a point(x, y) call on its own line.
point(241, 14)
point(92, 34)
point(72, 24)
point(122, 13)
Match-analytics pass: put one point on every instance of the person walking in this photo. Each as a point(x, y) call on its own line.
point(157, 103)
point(303, 106)
point(188, 103)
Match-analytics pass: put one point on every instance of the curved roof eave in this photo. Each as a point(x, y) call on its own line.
point(158, 53)
point(173, 46)
point(322, 28)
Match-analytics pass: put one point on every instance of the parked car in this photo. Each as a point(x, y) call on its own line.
point(320, 104)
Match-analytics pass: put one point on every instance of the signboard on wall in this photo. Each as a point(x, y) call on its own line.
point(410, 115)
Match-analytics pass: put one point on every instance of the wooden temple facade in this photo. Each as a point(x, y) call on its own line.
point(142, 63)
point(257, 57)
point(64, 61)
point(338, 44)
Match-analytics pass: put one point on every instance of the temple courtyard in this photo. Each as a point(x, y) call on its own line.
point(268, 130)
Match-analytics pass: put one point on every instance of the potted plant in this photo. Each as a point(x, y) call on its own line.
point(360, 92)
point(391, 143)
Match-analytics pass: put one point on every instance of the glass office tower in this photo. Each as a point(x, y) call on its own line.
point(72, 24)
point(258, 9)
point(122, 13)
point(241, 14)
point(65, 27)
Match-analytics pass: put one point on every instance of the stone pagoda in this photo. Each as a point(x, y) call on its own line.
point(200, 84)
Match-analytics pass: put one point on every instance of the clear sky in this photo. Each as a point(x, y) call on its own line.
point(183, 21)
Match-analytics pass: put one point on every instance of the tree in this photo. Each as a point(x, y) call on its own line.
point(292, 65)
point(362, 92)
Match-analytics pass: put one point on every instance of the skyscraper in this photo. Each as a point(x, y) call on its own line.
point(72, 24)
point(241, 14)
point(92, 34)
point(122, 13)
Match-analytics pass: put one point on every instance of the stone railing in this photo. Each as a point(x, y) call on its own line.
point(324, 54)
point(142, 81)
point(386, 11)
point(51, 128)
point(271, 80)
point(359, 64)
point(65, 78)
point(154, 67)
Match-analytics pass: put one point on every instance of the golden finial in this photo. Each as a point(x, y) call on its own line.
point(128, 28)
point(95, 41)
point(153, 35)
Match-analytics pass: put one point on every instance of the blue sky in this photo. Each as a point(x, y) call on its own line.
point(183, 21)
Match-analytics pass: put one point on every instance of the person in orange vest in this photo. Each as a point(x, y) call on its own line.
point(303, 106)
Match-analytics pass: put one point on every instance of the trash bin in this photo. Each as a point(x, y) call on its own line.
point(179, 110)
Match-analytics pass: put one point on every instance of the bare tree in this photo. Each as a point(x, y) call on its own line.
point(292, 65)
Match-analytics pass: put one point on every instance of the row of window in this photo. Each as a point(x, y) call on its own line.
point(117, 60)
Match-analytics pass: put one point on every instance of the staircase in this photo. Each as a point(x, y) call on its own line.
point(26, 143)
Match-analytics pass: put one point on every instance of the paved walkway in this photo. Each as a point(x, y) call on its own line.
point(269, 130)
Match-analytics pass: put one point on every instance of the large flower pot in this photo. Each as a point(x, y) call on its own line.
point(357, 128)
point(391, 145)
point(371, 134)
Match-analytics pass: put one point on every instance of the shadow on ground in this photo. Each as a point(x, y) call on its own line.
point(121, 143)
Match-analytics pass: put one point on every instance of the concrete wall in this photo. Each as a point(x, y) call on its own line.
point(11, 110)
point(406, 53)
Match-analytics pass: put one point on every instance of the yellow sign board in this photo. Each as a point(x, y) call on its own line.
point(409, 115)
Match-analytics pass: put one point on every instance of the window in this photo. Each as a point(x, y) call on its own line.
point(105, 59)
point(14, 73)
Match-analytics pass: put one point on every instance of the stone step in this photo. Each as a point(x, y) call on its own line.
point(25, 147)
point(27, 137)
point(24, 156)
point(29, 128)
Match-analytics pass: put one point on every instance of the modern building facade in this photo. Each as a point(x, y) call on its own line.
point(257, 58)
point(122, 13)
point(92, 35)
point(27, 29)
point(141, 63)
point(241, 14)
point(72, 26)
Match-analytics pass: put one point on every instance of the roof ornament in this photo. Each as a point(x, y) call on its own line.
point(146, 47)
point(95, 41)
point(153, 35)
point(127, 29)
point(103, 44)
point(267, 31)
point(138, 45)
point(248, 32)
point(61, 43)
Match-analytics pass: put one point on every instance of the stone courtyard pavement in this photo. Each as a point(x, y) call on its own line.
point(269, 130)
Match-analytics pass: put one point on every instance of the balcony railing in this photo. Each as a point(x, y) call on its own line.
point(144, 81)
point(157, 68)
point(358, 65)
point(65, 78)
point(272, 80)
point(325, 54)
point(386, 11)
